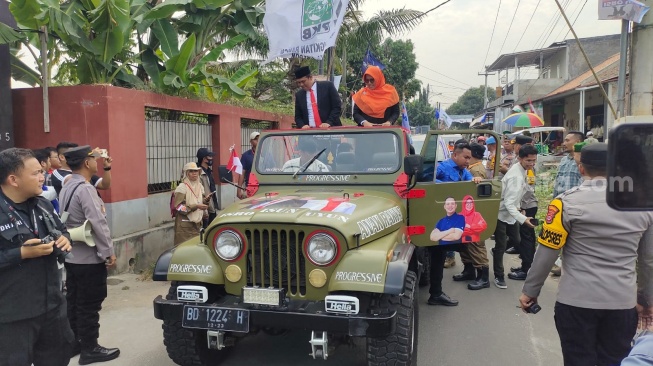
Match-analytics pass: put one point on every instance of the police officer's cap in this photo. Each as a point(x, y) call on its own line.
point(595, 155)
point(521, 140)
point(80, 153)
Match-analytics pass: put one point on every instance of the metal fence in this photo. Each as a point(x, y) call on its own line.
point(173, 138)
point(247, 126)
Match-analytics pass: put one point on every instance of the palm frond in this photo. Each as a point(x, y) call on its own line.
point(386, 22)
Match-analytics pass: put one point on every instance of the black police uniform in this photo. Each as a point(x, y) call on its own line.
point(34, 328)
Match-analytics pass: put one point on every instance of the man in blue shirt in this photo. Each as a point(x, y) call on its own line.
point(454, 169)
point(247, 160)
point(447, 232)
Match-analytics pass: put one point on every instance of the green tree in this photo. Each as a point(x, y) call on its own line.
point(472, 101)
point(400, 61)
point(420, 111)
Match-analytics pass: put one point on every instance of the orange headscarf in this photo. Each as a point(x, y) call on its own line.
point(374, 102)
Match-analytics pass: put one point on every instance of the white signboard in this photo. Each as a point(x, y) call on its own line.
point(622, 9)
point(298, 28)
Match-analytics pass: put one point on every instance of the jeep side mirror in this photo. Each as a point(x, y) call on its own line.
point(413, 165)
point(630, 163)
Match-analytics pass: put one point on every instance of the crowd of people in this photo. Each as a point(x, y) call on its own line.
point(47, 192)
point(44, 194)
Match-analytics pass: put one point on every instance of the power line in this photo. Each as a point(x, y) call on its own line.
point(555, 24)
point(448, 77)
point(563, 27)
point(509, 27)
point(439, 82)
point(538, 43)
point(529, 23)
point(574, 23)
point(492, 36)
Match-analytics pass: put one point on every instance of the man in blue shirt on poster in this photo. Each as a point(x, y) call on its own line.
point(447, 232)
point(449, 229)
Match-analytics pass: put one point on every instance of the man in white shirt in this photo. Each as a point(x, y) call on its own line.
point(509, 210)
point(307, 149)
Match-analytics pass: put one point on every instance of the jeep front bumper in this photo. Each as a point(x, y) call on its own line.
point(297, 314)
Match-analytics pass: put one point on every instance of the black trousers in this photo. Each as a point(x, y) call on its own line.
point(594, 337)
point(501, 235)
point(87, 289)
point(42, 341)
point(527, 241)
point(438, 255)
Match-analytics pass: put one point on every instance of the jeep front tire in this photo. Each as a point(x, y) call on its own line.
point(400, 347)
point(188, 347)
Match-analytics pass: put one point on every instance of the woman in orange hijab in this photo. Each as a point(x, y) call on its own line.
point(377, 103)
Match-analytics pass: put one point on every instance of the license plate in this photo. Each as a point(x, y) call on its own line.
point(224, 319)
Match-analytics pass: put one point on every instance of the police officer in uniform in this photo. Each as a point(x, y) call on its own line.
point(595, 312)
point(33, 324)
point(87, 272)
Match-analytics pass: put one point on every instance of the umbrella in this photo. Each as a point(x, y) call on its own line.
point(524, 120)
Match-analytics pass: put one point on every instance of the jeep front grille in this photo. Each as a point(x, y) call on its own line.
point(276, 259)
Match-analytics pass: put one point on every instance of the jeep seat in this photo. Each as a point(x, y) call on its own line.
point(384, 160)
point(346, 162)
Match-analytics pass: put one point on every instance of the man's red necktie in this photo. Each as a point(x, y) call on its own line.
point(316, 113)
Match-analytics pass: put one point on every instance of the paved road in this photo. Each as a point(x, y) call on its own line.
point(486, 328)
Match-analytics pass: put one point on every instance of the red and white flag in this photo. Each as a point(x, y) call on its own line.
point(234, 163)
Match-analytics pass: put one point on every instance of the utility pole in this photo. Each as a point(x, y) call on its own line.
point(641, 72)
point(6, 111)
point(487, 101)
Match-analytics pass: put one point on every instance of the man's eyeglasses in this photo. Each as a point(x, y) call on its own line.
point(369, 81)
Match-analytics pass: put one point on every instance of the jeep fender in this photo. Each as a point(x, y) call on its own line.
point(378, 267)
point(189, 262)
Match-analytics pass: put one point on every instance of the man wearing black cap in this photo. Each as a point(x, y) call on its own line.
point(597, 304)
point(205, 161)
point(317, 104)
point(86, 272)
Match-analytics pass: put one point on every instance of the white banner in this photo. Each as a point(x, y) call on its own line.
point(622, 9)
point(302, 27)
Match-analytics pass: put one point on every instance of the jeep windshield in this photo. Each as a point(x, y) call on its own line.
point(364, 152)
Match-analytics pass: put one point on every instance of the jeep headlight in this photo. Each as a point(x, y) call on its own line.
point(321, 248)
point(228, 244)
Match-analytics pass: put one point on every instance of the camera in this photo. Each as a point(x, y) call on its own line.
point(533, 309)
point(61, 254)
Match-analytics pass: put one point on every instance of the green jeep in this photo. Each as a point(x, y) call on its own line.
point(331, 239)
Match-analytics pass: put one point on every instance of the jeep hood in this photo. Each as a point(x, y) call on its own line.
point(367, 214)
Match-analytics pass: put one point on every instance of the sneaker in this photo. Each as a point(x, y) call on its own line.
point(517, 276)
point(449, 262)
point(500, 282)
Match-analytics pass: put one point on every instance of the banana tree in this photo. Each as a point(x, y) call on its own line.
point(211, 27)
point(95, 33)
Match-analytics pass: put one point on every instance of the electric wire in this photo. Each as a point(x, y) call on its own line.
point(527, 24)
point(574, 23)
point(441, 74)
point(514, 15)
point(492, 36)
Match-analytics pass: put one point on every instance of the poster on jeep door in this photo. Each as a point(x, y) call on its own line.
point(454, 227)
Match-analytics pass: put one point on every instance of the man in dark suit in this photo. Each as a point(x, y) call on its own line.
point(317, 104)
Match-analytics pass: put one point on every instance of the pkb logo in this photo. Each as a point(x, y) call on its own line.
point(316, 18)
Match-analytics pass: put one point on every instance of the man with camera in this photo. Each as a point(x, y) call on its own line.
point(596, 312)
point(33, 324)
point(87, 272)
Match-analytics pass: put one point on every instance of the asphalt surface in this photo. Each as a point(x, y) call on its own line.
point(486, 328)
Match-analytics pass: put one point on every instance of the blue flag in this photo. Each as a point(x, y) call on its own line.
point(370, 60)
point(437, 114)
point(404, 117)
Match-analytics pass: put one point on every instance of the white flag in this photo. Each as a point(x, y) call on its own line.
point(302, 27)
point(445, 117)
